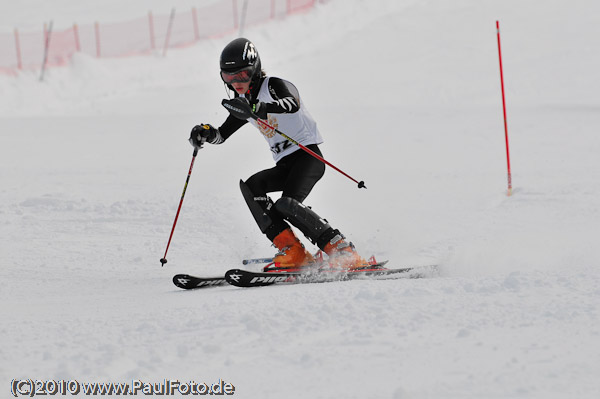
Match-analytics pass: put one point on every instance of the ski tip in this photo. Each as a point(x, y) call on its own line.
point(188, 282)
point(181, 280)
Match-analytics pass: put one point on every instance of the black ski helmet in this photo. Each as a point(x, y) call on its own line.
point(239, 54)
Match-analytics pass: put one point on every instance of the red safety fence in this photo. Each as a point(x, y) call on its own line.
point(145, 35)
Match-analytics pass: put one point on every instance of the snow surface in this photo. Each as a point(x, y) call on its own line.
point(407, 96)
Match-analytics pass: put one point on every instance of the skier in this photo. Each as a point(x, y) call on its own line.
point(296, 171)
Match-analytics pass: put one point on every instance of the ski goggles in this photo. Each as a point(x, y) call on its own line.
point(240, 76)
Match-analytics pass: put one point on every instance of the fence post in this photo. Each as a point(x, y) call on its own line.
point(76, 35)
point(235, 14)
point(195, 22)
point(168, 37)
point(48, 34)
point(97, 29)
point(18, 48)
point(151, 27)
point(243, 18)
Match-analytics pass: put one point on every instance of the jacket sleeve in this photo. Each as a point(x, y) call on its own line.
point(287, 98)
point(230, 126)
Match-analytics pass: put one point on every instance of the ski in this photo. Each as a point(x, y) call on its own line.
point(188, 282)
point(257, 260)
point(272, 275)
point(247, 278)
point(317, 255)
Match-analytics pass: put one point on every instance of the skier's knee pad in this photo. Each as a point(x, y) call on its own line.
point(259, 207)
point(301, 216)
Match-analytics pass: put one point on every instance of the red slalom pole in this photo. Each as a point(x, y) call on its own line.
point(163, 260)
point(504, 111)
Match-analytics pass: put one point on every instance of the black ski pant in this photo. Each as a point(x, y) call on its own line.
point(295, 175)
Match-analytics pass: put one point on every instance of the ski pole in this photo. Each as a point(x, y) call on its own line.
point(243, 111)
point(361, 184)
point(163, 260)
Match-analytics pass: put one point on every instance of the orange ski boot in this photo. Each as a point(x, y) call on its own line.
point(343, 255)
point(292, 254)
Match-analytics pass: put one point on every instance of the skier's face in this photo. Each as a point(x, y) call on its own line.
point(241, 87)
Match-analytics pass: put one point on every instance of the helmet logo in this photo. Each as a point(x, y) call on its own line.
point(250, 52)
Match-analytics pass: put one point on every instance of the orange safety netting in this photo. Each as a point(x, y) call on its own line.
point(144, 35)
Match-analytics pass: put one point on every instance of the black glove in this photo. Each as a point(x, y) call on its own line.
point(260, 109)
point(200, 134)
point(241, 108)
